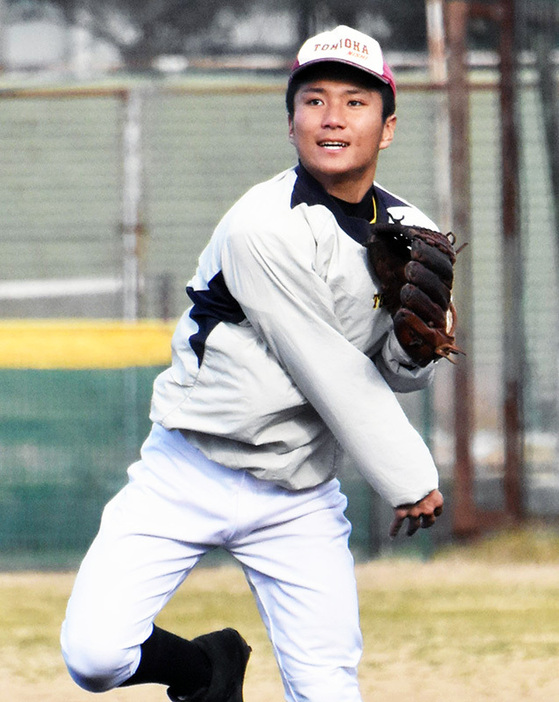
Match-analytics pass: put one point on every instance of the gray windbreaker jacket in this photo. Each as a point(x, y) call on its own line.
point(285, 356)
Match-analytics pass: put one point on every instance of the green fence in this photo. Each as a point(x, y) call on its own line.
point(66, 439)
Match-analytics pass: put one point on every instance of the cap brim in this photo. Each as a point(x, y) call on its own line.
point(302, 67)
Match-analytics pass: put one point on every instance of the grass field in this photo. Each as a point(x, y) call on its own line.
point(478, 623)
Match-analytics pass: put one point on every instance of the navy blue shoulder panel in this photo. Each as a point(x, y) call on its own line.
point(308, 190)
point(386, 200)
point(211, 307)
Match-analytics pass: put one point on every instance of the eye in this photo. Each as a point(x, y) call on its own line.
point(355, 103)
point(314, 101)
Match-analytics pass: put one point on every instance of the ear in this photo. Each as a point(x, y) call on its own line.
point(291, 128)
point(388, 132)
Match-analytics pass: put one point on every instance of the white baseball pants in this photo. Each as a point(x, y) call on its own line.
point(293, 547)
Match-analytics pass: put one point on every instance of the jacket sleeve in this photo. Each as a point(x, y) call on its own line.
point(271, 274)
point(399, 370)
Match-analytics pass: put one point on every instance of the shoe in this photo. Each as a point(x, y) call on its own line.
point(228, 654)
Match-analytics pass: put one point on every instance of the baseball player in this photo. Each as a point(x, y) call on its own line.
point(285, 359)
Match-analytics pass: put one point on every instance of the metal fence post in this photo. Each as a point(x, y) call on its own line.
point(513, 282)
point(465, 523)
point(438, 75)
point(132, 244)
point(132, 203)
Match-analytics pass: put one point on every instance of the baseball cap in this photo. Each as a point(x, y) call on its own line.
point(344, 45)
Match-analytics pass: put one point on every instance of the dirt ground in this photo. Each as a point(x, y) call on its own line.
point(444, 631)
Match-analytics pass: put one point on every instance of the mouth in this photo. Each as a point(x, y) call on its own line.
point(333, 145)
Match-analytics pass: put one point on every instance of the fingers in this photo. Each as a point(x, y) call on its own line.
point(414, 522)
point(395, 527)
point(421, 515)
point(422, 521)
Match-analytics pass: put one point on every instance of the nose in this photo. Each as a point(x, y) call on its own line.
point(333, 117)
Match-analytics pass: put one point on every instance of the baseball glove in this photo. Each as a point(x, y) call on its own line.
point(415, 269)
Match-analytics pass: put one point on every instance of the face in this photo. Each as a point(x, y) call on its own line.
point(338, 131)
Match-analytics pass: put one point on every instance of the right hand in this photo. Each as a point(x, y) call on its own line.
point(422, 514)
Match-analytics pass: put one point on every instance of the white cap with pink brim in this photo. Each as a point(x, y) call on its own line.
point(345, 45)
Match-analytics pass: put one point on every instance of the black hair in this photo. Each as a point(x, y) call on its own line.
point(337, 70)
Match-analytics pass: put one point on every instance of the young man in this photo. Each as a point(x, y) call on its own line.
point(283, 360)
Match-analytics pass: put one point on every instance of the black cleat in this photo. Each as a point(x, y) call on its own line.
point(228, 654)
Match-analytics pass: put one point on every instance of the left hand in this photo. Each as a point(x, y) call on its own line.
point(422, 514)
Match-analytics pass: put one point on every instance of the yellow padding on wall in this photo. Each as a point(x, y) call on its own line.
point(75, 344)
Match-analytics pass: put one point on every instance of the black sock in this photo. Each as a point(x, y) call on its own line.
point(169, 660)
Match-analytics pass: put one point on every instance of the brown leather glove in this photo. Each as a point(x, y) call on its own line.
point(415, 271)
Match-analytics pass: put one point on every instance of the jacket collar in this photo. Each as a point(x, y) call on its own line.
point(307, 190)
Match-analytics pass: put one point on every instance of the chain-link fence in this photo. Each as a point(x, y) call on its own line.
point(107, 199)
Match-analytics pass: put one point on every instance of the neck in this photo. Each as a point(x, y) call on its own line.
point(348, 194)
point(364, 209)
point(345, 188)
